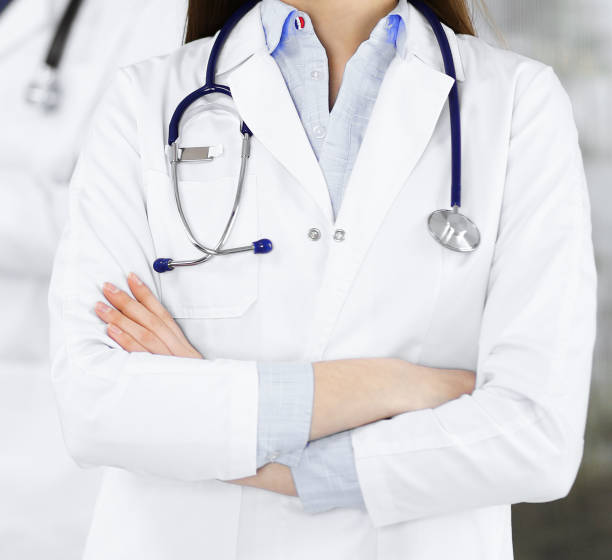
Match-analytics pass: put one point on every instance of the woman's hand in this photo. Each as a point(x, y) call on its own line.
point(142, 324)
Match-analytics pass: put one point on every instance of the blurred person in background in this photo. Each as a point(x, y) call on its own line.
point(56, 57)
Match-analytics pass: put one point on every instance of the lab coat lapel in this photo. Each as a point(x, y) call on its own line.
point(410, 100)
point(408, 106)
point(265, 104)
point(407, 109)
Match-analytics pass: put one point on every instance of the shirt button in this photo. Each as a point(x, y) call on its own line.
point(315, 74)
point(319, 131)
point(339, 235)
point(314, 234)
point(273, 455)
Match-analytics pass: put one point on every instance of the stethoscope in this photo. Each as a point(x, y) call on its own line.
point(450, 228)
point(44, 90)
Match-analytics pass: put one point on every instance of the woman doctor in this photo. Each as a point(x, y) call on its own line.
point(360, 391)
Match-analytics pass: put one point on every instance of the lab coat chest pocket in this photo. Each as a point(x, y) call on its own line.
point(225, 285)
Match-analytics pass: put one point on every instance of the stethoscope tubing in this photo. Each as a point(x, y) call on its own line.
point(233, 20)
point(453, 99)
point(210, 86)
point(246, 139)
point(62, 33)
point(449, 227)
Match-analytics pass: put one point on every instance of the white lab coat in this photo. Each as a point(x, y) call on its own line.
point(46, 501)
point(520, 311)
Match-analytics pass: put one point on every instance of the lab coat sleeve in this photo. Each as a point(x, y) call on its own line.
point(182, 418)
point(518, 437)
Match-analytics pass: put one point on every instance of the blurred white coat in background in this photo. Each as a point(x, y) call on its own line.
point(46, 501)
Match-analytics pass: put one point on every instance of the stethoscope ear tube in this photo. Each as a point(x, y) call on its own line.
point(261, 246)
point(162, 265)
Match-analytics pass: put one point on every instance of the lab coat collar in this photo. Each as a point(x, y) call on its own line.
point(415, 37)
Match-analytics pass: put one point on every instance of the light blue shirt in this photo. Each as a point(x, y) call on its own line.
point(323, 470)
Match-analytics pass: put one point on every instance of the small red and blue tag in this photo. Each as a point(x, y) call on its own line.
point(300, 23)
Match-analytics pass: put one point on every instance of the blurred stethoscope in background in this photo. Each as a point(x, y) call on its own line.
point(450, 228)
point(44, 91)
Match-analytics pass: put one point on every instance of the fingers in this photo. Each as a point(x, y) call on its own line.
point(145, 319)
point(139, 314)
point(124, 339)
point(146, 297)
point(129, 328)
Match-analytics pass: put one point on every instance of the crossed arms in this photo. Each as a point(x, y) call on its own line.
point(348, 393)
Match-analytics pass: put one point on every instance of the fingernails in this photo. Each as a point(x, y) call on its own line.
point(114, 330)
point(111, 288)
point(102, 307)
point(135, 278)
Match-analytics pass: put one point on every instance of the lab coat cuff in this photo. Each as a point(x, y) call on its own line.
point(326, 476)
point(286, 392)
point(239, 418)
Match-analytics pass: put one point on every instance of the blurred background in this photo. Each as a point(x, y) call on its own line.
point(575, 38)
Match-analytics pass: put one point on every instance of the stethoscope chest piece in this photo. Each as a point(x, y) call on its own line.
point(44, 90)
point(453, 230)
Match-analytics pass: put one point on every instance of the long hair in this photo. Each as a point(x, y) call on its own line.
point(206, 17)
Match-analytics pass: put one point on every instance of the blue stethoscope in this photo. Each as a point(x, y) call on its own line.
point(450, 228)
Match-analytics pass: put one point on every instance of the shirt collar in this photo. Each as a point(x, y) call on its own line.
point(277, 18)
point(416, 37)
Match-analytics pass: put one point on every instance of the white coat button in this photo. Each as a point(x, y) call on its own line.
point(319, 131)
point(314, 234)
point(315, 74)
point(339, 235)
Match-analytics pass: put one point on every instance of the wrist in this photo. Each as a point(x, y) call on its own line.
point(409, 386)
point(432, 387)
point(278, 478)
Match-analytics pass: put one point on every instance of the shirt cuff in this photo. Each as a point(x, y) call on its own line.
point(286, 395)
point(326, 476)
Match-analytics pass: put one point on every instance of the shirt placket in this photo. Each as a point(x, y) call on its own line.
point(353, 107)
point(314, 81)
